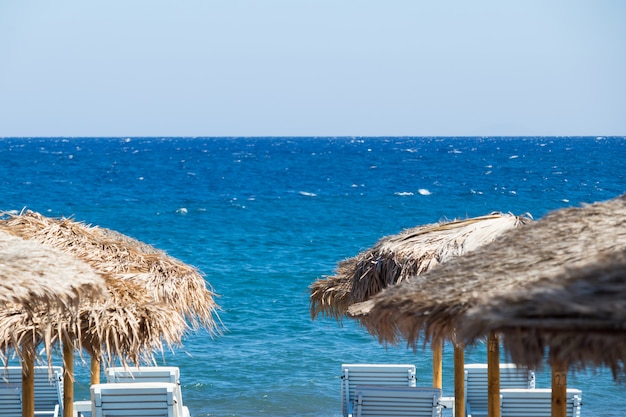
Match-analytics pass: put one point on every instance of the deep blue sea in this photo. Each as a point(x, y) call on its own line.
point(265, 217)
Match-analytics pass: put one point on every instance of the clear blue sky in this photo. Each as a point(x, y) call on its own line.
point(312, 67)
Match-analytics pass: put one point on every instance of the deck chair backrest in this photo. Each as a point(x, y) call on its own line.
point(390, 401)
point(537, 402)
point(373, 374)
point(476, 387)
point(146, 399)
point(10, 401)
point(48, 385)
point(143, 374)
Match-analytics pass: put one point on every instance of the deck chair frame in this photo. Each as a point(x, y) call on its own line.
point(536, 402)
point(10, 401)
point(395, 401)
point(48, 387)
point(169, 374)
point(372, 374)
point(135, 399)
point(511, 376)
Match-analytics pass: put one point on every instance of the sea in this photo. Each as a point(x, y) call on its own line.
point(264, 217)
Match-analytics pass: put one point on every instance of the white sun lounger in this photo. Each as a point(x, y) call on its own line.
point(372, 374)
point(146, 399)
point(392, 401)
point(169, 374)
point(48, 387)
point(476, 388)
point(536, 402)
point(10, 401)
point(143, 374)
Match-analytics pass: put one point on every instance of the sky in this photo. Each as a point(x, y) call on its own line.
point(312, 68)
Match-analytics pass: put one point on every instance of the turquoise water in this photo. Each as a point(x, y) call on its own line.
point(264, 217)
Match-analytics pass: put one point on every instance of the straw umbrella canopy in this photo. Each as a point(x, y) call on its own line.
point(35, 278)
point(393, 259)
point(166, 278)
point(578, 315)
point(42, 287)
point(153, 298)
point(127, 324)
point(33, 274)
point(438, 304)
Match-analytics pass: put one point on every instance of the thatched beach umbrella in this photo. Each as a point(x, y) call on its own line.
point(577, 315)
point(166, 278)
point(153, 296)
point(394, 259)
point(125, 324)
point(530, 262)
point(39, 282)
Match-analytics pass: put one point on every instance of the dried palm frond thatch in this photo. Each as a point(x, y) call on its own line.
point(166, 278)
point(47, 286)
point(578, 315)
point(395, 258)
point(151, 298)
point(332, 296)
point(32, 273)
point(129, 325)
point(542, 259)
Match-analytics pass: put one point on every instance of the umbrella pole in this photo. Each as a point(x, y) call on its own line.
point(68, 379)
point(559, 387)
point(437, 348)
point(493, 375)
point(28, 380)
point(95, 370)
point(459, 381)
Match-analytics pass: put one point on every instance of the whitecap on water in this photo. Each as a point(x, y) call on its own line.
point(182, 210)
point(403, 193)
point(307, 194)
point(424, 191)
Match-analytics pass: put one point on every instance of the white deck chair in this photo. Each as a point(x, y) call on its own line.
point(372, 374)
point(537, 402)
point(148, 374)
point(390, 401)
point(143, 374)
point(48, 387)
point(476, 387)
point(146, 399)
point(10, 401)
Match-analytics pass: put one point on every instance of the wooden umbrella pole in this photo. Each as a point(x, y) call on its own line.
point(493, 375)
point(68, 379)
point(559, 387)
point(459, 381)
point(437, 348)
point(95, 370)
point(28, 380)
